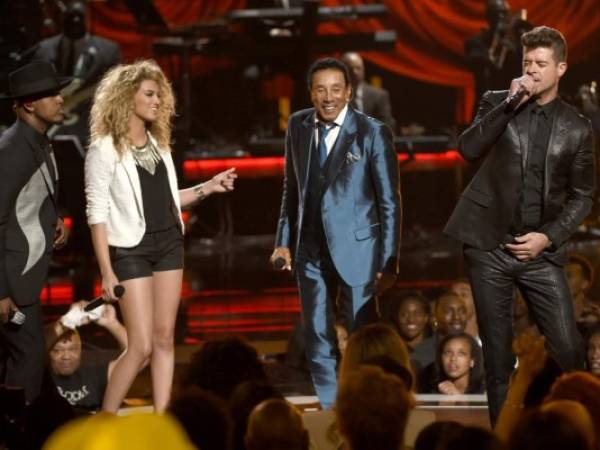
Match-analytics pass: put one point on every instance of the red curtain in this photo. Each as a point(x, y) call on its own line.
point(113, 20)
point(430, 32)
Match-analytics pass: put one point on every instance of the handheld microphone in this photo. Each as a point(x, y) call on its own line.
point(516, 98)
point(279, 262)
point(95, 303)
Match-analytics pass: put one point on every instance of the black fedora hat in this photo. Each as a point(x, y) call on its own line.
point(33, 80)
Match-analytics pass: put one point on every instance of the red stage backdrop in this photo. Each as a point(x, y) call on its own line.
point(430, 32)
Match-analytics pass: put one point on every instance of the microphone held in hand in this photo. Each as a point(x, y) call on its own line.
point(118, 291)
point(279, 263)
point(515, 99)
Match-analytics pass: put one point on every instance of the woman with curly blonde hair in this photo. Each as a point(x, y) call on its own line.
point(134, 212)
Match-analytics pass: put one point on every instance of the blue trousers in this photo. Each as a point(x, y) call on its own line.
point(325, 296)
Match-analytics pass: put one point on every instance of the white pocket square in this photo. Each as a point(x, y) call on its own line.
point(351, 157)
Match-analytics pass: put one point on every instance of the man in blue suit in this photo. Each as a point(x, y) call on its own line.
point(340, 216)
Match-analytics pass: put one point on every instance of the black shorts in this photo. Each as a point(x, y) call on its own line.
point(157, 252)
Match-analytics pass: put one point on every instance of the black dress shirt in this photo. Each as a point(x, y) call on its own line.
point(528, 214)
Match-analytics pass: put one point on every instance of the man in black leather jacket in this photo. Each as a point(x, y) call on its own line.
point(532, 190)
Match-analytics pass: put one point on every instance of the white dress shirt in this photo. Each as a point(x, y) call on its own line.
point(333, 134)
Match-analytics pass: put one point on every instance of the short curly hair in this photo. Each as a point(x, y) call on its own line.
point(113, 104)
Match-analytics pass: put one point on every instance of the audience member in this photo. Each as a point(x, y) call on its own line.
point(243, 400)
point(409, 314)
point(276, 425)
point(372, 409)
point(449, 435)
point(581, 387)
point(81, 383)
point(204, 417)
point(371, 100)
point(220, 365)
point(532, 357)
point(458, 368)
point(370, 341)
point(392, 367)
point(437, 435)
point(450, 317)
point(577, 414)
point(580, 275)
point(462, 288)
point(540, 429)
point(528, 381)
point(592, 348)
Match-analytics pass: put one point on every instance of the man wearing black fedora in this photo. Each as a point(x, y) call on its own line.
point(29, 223)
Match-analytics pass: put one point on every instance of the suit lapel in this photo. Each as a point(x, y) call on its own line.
point(305, 150)
point(48, 170)
point(337, 156)
point(556, 143)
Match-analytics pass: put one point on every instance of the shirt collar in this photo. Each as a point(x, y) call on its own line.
point(339, 120)
point(547, 109)
point(39, 138)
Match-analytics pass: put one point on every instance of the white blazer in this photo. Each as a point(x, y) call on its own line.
point(114, 194)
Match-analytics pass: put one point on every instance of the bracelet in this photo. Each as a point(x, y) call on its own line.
point(198, 190)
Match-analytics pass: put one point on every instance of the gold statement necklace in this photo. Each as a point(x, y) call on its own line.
point(146, 156)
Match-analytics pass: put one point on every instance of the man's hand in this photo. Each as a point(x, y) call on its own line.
point(221, 182)
point(529, 246)
point(525, 83)
point(80, 305)
point(61, 234)
point(531, 351)
point(6, 306)
point(384, 281)
point(281, 254)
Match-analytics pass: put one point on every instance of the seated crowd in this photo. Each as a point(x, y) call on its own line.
point(227, 401)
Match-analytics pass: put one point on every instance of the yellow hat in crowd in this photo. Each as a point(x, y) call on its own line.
point(108, 432)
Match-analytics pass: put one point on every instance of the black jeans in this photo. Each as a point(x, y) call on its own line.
point(493, 275)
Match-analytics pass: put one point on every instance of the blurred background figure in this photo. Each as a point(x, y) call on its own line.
point(373, 341)
point(462, 288)
point(592, 347)
point(495, 54)
point(204, 417)
point(276, 425)
point(373, 101)
point(580, 275)
point(372, 409)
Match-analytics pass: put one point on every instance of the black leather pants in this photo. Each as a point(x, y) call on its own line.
point(493, 275)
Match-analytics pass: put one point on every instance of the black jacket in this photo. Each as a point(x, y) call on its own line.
point(484, 212)
point(28, 215)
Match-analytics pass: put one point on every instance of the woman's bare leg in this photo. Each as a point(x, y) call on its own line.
point(137, 307)
point(167, 294)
